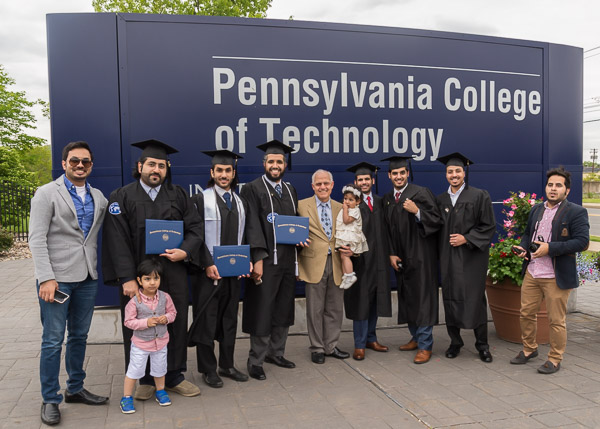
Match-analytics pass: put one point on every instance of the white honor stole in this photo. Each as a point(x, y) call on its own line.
point(212, 219)
point(273, 223)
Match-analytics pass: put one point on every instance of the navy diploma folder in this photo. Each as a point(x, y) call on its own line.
point(291, 229)
point(232, 261)
point(163, 234)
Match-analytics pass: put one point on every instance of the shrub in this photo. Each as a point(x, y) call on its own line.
point(6, 240)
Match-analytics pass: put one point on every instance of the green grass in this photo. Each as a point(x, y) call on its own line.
point(594, 238)
point(591, 200)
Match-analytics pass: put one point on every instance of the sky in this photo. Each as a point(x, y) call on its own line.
point(574, 22)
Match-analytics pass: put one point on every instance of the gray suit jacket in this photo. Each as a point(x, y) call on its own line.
point(59, 249)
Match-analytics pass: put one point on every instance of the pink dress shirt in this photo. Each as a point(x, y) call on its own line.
point(542, 268)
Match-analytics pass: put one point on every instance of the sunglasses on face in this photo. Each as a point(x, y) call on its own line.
point(74, 162)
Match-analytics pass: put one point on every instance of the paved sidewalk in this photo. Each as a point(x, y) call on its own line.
point(386, 390)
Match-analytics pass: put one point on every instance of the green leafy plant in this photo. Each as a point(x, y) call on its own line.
point(502, 262)
point(6, 240)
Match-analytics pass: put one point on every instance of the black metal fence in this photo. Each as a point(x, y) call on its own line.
point(15, 202)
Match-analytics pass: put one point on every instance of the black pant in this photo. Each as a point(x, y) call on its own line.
point(207, 361)
point(481, 337)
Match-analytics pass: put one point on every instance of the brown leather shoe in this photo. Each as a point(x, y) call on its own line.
point(359, 354)
point(411, 345)
point(422, 356)
point(377, 347)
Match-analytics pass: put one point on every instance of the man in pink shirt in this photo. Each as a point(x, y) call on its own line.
point(556, 230)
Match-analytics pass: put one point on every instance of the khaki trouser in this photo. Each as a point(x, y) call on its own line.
point(533, 292)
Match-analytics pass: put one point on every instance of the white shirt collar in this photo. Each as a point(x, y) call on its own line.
point(328, 203)
point(457, 193)
point(400, 190)
point(149, 188)
point(271, 182)
point(221, 191)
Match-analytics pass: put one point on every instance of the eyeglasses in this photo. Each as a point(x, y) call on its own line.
point(74, 162)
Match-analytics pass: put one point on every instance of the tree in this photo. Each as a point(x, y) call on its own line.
point(12, 170)
point(244, 8)
point(38, 160)
point(16, 116)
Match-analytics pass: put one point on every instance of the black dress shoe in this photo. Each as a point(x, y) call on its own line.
point(280, 361)
point(50, 414)
point(233, 373)
point(339, 354)
point(85, 397)
point(452, 352)
point(485, 356)
point(212, 379)
point(256, 372)
point(317, 357)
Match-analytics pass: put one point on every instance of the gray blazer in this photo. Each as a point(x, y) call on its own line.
point(59, 249)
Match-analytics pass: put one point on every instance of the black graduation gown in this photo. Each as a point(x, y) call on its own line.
point(218, 318)
point(123, 248)
point(372, 268)
point(272, 302)
point(464, 268)
point(416, 244)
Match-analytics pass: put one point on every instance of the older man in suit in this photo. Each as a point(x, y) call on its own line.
point(321, 268)
point(66, 216)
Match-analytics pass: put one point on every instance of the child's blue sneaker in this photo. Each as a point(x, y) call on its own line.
point(162, 397)
point(127, 405)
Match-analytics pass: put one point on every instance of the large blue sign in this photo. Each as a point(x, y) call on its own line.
point(337, 94)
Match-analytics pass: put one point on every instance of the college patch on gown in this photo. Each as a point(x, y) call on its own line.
point(114, 209)
point(271, 216)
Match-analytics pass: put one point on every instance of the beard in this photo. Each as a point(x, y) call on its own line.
point(273, 179)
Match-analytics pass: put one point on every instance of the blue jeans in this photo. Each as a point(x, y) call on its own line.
point(364, 330)
point(76, 316)
point(422, 335)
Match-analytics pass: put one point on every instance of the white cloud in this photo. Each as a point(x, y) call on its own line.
point(574, 22)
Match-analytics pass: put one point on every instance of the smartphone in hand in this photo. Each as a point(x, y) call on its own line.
point(60, 296)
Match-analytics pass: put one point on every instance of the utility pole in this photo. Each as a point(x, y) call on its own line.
point(594, 156)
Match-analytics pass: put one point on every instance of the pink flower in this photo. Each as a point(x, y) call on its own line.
point(501, 240)
point(521, 194)
point(511, 213)
point(514, 207)
point(506, 201)
point(510, 233)
point(532, 202)
point(533, 196)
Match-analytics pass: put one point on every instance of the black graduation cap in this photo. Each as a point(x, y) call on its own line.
point(363, 168)
point(400, 162)
point(457, 159)
point(223, 157)
point(279, 148)
point(155, 149)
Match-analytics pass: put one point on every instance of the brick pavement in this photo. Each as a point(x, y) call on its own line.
point(385, 390)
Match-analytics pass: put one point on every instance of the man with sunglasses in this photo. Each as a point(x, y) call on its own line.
point(66, 216)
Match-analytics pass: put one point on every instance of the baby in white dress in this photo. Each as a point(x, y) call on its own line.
point(348, 232)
